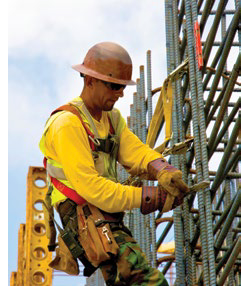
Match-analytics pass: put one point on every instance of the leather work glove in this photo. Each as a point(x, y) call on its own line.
point(156, 198)
point(171, 185)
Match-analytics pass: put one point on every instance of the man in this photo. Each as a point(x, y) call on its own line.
point(82, 143)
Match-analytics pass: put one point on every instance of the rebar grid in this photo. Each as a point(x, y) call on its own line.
point(206, 104)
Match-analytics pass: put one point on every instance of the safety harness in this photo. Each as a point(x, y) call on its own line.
point(55, 174)
point(96, 145)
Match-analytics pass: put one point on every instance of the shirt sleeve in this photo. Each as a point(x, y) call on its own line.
point(68, 144)
point(133, 154)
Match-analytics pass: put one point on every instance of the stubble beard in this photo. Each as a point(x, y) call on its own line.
point(108, 107)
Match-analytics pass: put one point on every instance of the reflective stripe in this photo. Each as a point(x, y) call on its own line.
point(55, 172)
point(84, 110)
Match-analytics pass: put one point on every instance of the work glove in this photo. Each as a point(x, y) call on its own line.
point(170, 183)
point(157, 198)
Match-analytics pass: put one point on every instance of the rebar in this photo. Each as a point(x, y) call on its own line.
point(172, 63)
point(236, 204)
point(227, 95)
point(211, 35)
point(222, 171)
point(139, 218)
point(223, 59)
point(149, 109)
point(205, 13)
point(225, 257)
point(230, 262)
point(195, 106)
point(196, 122)
point(145, 219)
point(164, 234)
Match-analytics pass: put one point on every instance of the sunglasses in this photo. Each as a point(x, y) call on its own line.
point(113, 86)
point(110, 85)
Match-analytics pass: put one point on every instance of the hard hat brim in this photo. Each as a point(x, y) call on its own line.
point(82, 69)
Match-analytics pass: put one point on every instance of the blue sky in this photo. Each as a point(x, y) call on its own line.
point(44, 39)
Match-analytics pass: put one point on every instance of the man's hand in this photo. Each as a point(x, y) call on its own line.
point(170, 183)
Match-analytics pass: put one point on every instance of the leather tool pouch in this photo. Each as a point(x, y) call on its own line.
point(95, 235)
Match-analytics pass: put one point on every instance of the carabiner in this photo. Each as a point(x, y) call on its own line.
point(95, 141)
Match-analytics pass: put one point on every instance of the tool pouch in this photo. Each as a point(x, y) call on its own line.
point(95, 235)
point(64, 260)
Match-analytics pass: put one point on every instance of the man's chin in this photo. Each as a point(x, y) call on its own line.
point(109, 107)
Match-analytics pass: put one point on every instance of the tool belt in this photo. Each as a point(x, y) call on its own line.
point(95, 234)
point(93, 227)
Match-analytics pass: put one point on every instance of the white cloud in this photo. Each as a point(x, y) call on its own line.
point(62, 29)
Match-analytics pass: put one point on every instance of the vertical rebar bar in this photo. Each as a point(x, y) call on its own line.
point(176, 122)
point(145, 219)
point(204, 156)
point(226, 137)
point(192, 81)
point(135, 130)
point(178, 100)
point(149, 110)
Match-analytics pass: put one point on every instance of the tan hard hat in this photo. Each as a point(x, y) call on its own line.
point(109, 62)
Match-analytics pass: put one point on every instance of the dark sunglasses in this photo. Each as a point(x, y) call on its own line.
point(110, 85)
point(113, 86)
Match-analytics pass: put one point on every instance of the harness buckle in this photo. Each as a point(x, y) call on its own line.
point(94, 140)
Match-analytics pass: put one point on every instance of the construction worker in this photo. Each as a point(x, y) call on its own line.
point(82, 143)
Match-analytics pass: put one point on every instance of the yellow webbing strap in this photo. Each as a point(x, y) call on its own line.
point(161, 148)
point(155, 122)
point(163, 109)
point(167, 104)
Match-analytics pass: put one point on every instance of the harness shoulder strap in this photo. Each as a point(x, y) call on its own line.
point(112, 130)
point(85, 111)
point(72, 109)
point(117, 120)
point(83, 108)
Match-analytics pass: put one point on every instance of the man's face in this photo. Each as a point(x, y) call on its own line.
point(106, 94)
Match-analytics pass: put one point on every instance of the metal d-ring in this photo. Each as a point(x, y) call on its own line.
point(95, 141)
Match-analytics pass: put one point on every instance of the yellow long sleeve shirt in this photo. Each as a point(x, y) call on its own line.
point(67, 143)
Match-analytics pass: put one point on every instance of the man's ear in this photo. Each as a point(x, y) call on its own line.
point(88, 81)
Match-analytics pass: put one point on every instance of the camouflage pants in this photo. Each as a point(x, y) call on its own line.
point(130, 267)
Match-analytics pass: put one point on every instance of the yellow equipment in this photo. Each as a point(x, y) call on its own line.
point(33, 255)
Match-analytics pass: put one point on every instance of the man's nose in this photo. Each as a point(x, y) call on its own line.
point(120, 93)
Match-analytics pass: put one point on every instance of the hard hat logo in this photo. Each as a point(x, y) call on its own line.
point(109, 62)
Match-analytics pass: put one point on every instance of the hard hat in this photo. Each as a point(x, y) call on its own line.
point(109, 62)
